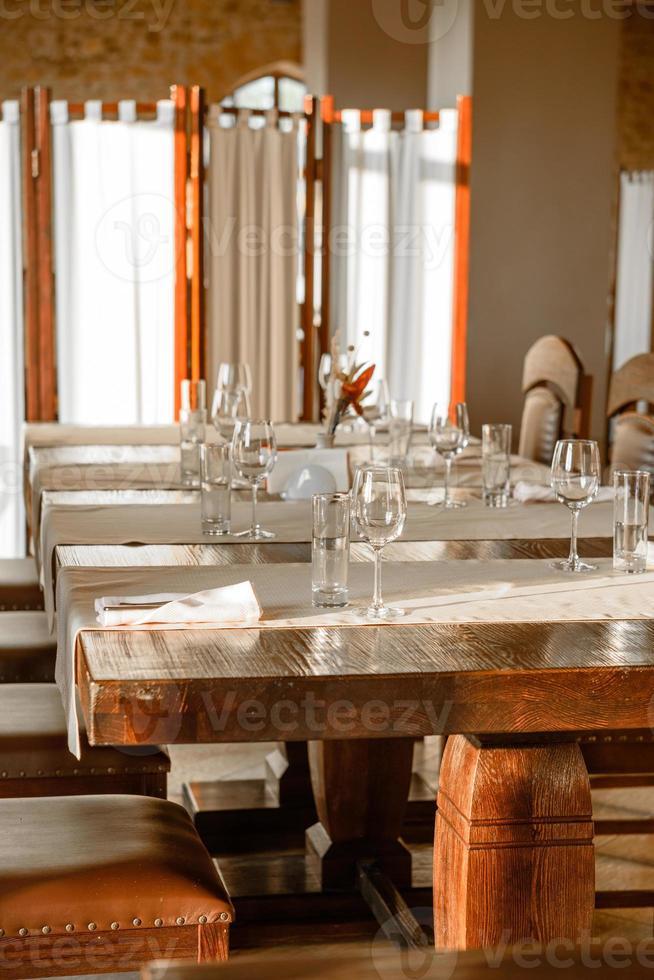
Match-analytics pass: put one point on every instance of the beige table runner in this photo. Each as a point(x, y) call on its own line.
point(430, 593)
point(180, 523)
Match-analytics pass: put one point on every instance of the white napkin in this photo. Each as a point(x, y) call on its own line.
point(230, 604)
point(531, 493)
point(289, 462)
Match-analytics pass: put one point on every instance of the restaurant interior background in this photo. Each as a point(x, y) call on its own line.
point(562, 107)
point(435, 185)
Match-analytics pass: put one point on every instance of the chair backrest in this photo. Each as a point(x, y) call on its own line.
point(632, 446)
point(632, 383)
point(557, 397)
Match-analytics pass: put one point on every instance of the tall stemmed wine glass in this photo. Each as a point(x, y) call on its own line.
point(575, 479)
point(449, 434)
point(233, 389)
point(379, 501)
point(254, 451)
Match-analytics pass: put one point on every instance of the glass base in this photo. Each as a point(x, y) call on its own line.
point(329, 600)
point(565, 565)
point(496, 499)
point(450, 505)
point(215, 530)
point(381, 612)
point(256, 534)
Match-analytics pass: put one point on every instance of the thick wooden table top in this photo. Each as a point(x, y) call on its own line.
point(369, 681)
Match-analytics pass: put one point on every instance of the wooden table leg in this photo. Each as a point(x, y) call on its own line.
point(361, 789)
point(240, 815)
point(513, 857)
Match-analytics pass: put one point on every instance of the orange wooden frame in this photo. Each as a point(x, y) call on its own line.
point(331, 116)
point(461, 249)
point(40, 364)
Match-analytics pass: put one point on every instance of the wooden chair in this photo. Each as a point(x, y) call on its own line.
point(632, 432)
point(557, 398)
point(92, 884)
point(27, 650)
point(35, 760)
point(19, 584)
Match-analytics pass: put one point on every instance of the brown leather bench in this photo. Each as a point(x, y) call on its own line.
point(19, 584)
point(91, 884)
point(27, 651)
point(35, 761)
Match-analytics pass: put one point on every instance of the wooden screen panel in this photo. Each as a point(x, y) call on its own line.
point(461, 249)
point(40, 367)
point(308, 343)
point(182, 311)
point(30, 258)
point(46, 316)
point(196, 177)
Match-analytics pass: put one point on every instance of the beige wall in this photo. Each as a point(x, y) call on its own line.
point(125, 49)
point(543, 183)
point(362, 53)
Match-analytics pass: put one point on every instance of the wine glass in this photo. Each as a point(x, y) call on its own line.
point(379, 503)
point(254, 451)
point(226, 408)
point(575, 480)
point(235, 380)
point(449, 436)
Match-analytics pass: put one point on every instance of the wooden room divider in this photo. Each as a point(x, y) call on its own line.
point(320, 118)
point(39, 279)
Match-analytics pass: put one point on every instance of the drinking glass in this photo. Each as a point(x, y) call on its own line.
point(377, 414)
point(399, 428)
point(330, 549)
point(324, 370)
point(235, 380)
point(192, 424)
point(630, 517)
point(449, 434)
point(575, 480)
point(194, 395)
point(496, 464)
point(254, 451)
point(379, 501)
point(215, 488)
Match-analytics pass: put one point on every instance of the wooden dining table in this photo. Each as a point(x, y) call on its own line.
point(513, 852)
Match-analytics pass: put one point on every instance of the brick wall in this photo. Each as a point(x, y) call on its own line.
point(110, 49)
point(636, 94)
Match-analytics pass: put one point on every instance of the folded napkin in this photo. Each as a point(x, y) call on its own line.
point(532, 493)
point(232, 604)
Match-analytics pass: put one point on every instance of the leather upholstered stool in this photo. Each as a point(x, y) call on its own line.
point(35, 761)
point(93, 884)
point(27, 651)
point(19, 584)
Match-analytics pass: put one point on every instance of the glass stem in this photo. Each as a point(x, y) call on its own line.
point(574, 557)
point(448, 467)
point(253, 529)
point(377, 600)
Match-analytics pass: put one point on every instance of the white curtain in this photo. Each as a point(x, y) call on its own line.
point(252, 249)
point(634, 285)
point(392, 243)
point(12, 408)
point(114, 262)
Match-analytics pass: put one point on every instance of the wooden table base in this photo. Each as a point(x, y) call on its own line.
point(513, 857)
point(361, 789)
point(239, 816)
